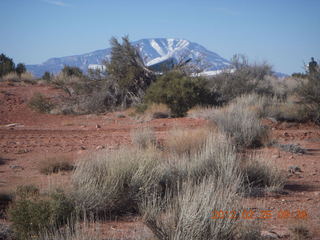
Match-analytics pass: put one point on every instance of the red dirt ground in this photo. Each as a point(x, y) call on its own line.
point(34, 136)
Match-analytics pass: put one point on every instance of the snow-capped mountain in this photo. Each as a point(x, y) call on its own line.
point(153, 51)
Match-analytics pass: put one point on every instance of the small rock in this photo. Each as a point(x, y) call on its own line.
point(98, 126)
point(82, 148)
point(269, 235)
point(100, 147)
point(16, 167)
point(294, 169)
point(12, 125)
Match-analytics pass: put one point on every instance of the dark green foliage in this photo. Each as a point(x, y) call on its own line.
point(47, 76)
point(6, 65)
point(180, 92)
point(32, 213)
point(21, 68)
point(40, 103)
point(245, 79)
point(309, 93)
point(72, 71)
point(128, 77)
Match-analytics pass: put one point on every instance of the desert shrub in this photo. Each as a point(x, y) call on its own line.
point(245, 78)
point(261, 174)
point(309, 93)
point(144, 137)
point(32, 213)
point(288, 111)
point(241, 124)
point(180, 92)
point(186, 141)
point(40, 103)
point(6, 65)
point(47, 76)
point(21, 68)
point(111, 182)
point(128, 77)
point(72, 71)
point(187, 214)
point(55, 164)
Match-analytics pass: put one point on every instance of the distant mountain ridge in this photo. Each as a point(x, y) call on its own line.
point(153, 51)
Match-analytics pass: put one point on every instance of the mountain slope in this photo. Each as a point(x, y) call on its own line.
point(153, 52)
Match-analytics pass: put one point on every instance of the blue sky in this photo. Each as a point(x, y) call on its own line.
point(285, 33)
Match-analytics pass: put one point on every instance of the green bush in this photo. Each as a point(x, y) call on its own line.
point(40, 103)
point(72, 71)
point(21, 68)
point(180, 92)
point(32, 213)
point(6, 65)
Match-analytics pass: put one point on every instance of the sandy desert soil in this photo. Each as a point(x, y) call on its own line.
point(26, 137)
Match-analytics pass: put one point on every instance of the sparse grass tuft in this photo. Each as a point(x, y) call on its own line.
point(144, 137)
point(186, 141)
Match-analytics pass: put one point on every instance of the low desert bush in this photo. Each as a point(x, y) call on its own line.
point(40, 103)
point(111, 182)
point(241, 124)
point(288, 111)
point(144, 137)
point(31, 213)
point(55, 165)
point(187, 215)
point(245, 78)
point(186, 141)
point(260, 174)
point(308, 91)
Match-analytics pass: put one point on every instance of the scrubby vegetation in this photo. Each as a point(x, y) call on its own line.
point(40, 103)
point(33, 213)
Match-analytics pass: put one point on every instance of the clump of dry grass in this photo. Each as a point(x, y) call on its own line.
point(112, 181)
point(241, 124)
point(55, 165)
point(260, 173)
point(14, 77)
point(186, 141)
point(187, 215)
point(144, 137)
point(288, 111)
